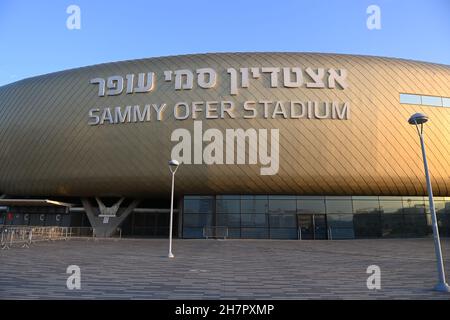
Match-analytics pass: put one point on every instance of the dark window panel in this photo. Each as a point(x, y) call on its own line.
point(311, 198)
point(228, 206)
point(18, 219)
point(282, 206)
point(341, 226)
point(413, 202)
point(253, 220)
point(283, 233)
point(311, 206)
point(392, 225)
point(254, 197)
point(234, 233)
point(228, 197)
point(254, 206)
point(415, 225)
point(389, 206)
point(283, 221)
point(444, 224)
point(254, 233)
point(338, 198)
point(198, 206)
point(197, 197)
point(372, 198)
point(193, 233)
point(196, 220)
point(282, 197)
point(229, 220)
point(367, 225)
point(366, 206)
point(338, 206)
point(390, 198)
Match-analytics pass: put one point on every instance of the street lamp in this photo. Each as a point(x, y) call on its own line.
point(173, 166)
point(418, 119)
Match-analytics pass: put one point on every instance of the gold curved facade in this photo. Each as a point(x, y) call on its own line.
point(49, 146)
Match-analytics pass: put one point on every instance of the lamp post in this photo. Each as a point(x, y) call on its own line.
point(173, 166)
point(418, 119)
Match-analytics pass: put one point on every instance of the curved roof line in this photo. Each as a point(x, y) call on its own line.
point(363, 56)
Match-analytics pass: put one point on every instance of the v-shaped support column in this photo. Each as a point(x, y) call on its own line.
point(105, 220)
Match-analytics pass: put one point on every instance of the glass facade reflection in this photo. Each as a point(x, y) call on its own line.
point(313, 217)
point(435, 101)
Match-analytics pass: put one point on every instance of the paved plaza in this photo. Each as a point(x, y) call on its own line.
point(222, 269)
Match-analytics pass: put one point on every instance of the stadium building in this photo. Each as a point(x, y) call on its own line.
point(271, 145)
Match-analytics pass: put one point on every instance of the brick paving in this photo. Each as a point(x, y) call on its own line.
point(217, 269)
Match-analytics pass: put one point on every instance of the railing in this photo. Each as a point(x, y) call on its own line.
point(24, 236)
point(45, 233)
point(80, 232)
point(215, 232)
point(15, 235)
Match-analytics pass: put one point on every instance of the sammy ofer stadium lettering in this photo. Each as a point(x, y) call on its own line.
point(264, 109)
point(253, 145)
point(206, 78)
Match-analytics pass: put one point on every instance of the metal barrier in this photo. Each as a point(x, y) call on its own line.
point(215, 232)
point(47, 233)
point(24, 236)
point(80, 232)
point(15, 235)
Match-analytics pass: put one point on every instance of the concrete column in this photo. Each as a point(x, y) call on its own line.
point(106, 227)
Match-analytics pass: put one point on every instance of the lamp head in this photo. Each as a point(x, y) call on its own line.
point(418, 118)
point(174, 163)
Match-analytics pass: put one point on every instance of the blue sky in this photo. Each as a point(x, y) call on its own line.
point(35, 39)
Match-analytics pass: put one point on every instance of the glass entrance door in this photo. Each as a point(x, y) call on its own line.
point(312, 226)
point(320, 226)
point(305, 226)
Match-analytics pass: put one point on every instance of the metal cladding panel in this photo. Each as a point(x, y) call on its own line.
point(48, 148)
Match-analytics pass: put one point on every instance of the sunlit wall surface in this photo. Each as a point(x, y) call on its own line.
point(49, 147)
